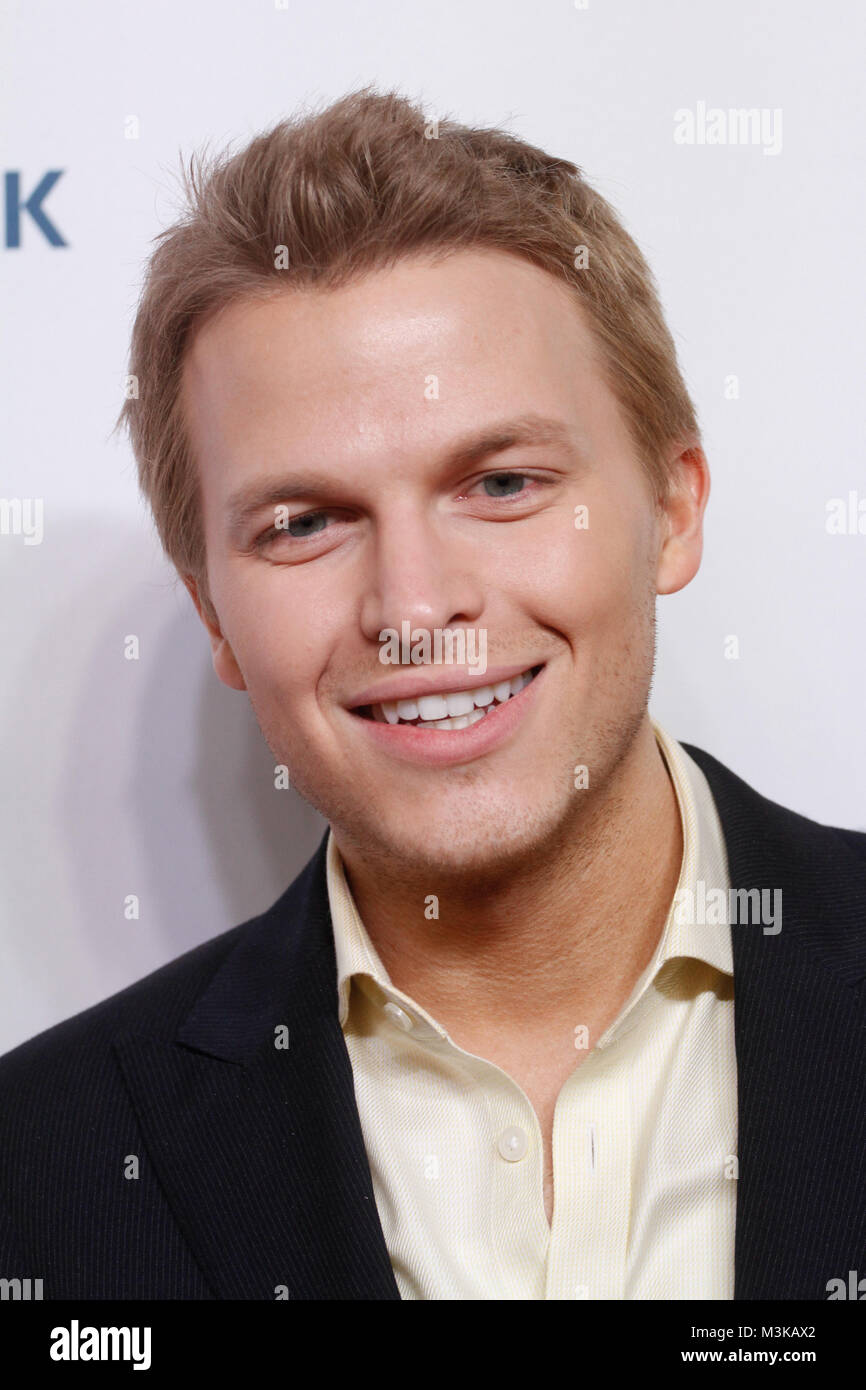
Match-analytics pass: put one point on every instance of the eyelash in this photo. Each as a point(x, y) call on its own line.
point(273, 532)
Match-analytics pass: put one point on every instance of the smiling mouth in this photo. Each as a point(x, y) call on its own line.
point(458, 709)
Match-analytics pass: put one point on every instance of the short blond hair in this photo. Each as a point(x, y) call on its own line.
point(355, 187)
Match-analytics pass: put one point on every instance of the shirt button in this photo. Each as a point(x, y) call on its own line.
point(512, 1143)
point(400, 1017)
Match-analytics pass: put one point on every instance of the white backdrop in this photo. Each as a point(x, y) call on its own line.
point(147, 777)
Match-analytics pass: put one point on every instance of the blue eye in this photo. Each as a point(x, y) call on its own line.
point(298, 528)
point(307, 525)
point(503, 484)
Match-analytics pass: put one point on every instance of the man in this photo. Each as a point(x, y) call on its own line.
point(398, 385)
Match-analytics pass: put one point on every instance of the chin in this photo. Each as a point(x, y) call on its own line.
point(478, 847)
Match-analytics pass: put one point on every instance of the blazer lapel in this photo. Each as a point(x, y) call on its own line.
point(259, 1148)
point(801, 1048)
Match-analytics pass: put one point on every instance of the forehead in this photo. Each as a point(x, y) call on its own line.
point(398, 361)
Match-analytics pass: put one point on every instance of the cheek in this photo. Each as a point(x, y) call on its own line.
point(274, 648)
point(284, 632)
point(576, 580)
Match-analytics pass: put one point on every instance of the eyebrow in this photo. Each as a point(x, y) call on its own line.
point(524, 430)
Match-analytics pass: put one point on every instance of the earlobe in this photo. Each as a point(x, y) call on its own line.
point(680, 554)
point(224, 662)
point(226, 666)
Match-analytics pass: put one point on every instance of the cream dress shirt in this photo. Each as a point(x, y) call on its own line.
point(645, 1129)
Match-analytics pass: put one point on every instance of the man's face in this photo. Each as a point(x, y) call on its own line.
point(357, 409)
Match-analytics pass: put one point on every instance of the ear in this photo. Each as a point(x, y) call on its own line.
point(682, 519)
point(224, 661)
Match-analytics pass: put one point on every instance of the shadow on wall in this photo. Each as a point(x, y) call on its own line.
point(144, 777)
point(254, 838)
point(166, 788)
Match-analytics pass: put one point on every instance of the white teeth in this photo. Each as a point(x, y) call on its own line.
point(433, 707)
point(463, 721)
point(461, 702)
point(456, 710)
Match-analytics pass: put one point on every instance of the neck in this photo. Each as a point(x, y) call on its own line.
point(556, 943)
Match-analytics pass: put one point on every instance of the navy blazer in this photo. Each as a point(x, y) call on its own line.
point(253, 1181)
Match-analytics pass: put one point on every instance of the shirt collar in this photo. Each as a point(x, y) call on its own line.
point(356, 954)
point(704, 862)
point(704, 865)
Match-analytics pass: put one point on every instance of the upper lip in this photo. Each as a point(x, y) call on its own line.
point(411, 687)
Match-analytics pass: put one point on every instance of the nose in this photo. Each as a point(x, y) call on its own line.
point(419, 574)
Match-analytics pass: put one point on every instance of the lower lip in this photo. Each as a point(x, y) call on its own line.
point(446, 747)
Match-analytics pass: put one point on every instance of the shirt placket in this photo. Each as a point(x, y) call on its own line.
point(592, 1144)
point(521, 1236)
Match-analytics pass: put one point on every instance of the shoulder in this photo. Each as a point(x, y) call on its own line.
point(234, 969)
point(743, 810)
point(817, 870)
point(155, 1004)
